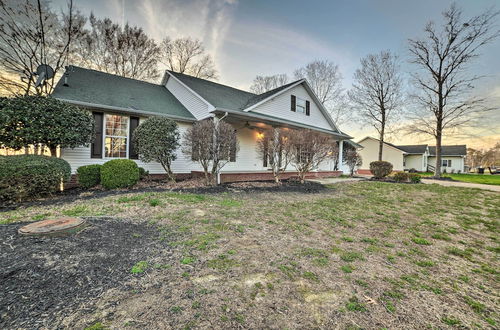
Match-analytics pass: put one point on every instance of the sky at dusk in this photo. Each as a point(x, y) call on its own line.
point(264, 37)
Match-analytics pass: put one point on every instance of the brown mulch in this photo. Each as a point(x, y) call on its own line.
point(44, 278)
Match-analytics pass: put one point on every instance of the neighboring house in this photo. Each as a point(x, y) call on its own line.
point(369, 153)
point(452, 158)
point(421, 157)
point(119, 105)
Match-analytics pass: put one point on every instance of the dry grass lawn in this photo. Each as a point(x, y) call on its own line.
point(357, 255)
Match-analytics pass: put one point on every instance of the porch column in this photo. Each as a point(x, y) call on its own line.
point(341, 152)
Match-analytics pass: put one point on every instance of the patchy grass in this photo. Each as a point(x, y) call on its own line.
point(140, 267)
point(394, 256)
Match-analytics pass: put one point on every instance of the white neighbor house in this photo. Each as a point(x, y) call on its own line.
point(420, 157)
point(119, 105)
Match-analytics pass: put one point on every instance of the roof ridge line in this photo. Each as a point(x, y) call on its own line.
point(212, 82)
point(115, 75)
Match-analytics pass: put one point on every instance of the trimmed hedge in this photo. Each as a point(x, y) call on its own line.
point(380, 169)
point(24, 177)
point(119, 173)
point(89, 176)
point(143, 173)
point(415, 178)
point(401, 177)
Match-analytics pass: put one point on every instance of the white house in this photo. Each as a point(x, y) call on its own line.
point(119, 105)
point(420, 157)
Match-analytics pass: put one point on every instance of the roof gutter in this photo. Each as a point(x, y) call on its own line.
point(121, 109)
point(254, 115)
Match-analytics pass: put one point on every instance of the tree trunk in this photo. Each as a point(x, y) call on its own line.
point(53, 151)
point(381, 143)
point(437, 170)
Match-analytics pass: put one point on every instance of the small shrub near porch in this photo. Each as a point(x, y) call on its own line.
point(119, 173)
point(380, 169)
point(24, 177)
point(89, 176)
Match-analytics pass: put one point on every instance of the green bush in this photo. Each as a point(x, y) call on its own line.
point(119, 173)
point(401, 177)
point(24, 177)
point(380, 169)
point(89, 176)
point(415, 178)
point(143, 173)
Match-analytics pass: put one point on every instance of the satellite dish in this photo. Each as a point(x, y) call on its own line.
point(43, 72)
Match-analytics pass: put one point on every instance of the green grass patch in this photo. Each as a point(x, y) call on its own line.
point(140, 267)
point(420, 241)
point(354, 305)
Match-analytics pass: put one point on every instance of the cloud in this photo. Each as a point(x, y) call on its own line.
point(256, 47)
point(207, 20)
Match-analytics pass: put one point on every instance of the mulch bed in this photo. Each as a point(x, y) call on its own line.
point(43, 279)
point(187, 186)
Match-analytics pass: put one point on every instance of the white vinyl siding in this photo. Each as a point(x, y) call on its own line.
point(281, 104)
point(369, 153)
point(190, 101)
point(457, 163)
point(414, 161)
point(81, 156)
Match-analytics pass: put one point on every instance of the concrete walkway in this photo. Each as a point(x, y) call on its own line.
point(334, 180)
point(462, 184)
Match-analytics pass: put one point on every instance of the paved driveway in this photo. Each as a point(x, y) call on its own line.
point(463, 184)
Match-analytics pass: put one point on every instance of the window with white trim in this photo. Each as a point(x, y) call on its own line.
point(446, 162)
point(300, 105)
point(116, 136)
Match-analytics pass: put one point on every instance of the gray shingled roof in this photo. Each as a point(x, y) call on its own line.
point(257, 98)
point(457, 150)
point(100, 88)
point(413, 149)
point(220, 96)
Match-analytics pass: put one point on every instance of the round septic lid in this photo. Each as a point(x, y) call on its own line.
point(51, 226)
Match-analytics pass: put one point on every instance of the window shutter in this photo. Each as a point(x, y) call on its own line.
point(308, 108)
point(232, 151)
point(132, 153)
point(96, 146)
point(194, 153)
point(264, 160)
point(294, 100)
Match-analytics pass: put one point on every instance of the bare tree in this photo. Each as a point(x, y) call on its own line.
point(326, 82)
point(274, 146)
point(309, 149)
point(127, 51)
point(377, 93)
point(187, 55)
point(213, 144)
point(444, 86)
point(32, 34)
point(262, 84)
point(352, 160)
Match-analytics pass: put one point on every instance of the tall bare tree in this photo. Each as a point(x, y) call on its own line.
point(377, 92)
point(443, 84)
point(32, 34)
point(275, 147)
point(262, 84)
point(326, 81)
point(212, 143)
point(187, 55)
point(309, 149)
point(127, 51)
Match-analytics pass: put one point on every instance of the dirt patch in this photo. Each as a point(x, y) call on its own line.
point(187, 186)
point(42, 279)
